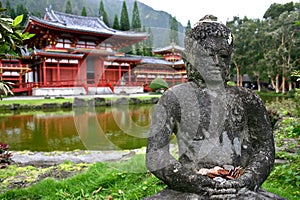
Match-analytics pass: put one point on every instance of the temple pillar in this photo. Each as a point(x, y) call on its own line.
point(129, 73)
point(58, 70)
point(120, 74)
point(20, 79)
point(44, 73)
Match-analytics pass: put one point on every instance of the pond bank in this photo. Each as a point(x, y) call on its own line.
point(43, 159)
point(68, 102)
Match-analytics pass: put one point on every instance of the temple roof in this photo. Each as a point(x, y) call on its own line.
point(83, 23)
point(156, 61)
point(57, 24)
point(169, 49)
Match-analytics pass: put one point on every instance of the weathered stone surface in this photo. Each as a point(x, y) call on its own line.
point(169, 194)
point(214, 124)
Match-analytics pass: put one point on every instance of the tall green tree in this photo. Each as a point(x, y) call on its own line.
point(188, 27)
point(103, 13)
point(124, 21)
point(148, 43)
point(9, 10)
point(275, 10)
point(173, 33)
point(69, 7)
point(285, 48)
point(83, 11)
point(136, 20)
point(116, 24)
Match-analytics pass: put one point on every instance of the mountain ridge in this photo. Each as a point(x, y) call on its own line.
point(157, 20)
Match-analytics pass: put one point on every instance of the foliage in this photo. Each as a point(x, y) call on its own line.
point(267, 50)
point(296, 73)
point(83, 12)
point(5, 88)
point(5, 155)
point(148, 43)
point(11, 38)
point(103, 13)
point(116, 24)
point(124, 21)
point(276, 9)
point(158, 84)
point(284, 179)
point(136, 20)
point(68, 7)
point(173, 33)
point(188, 27)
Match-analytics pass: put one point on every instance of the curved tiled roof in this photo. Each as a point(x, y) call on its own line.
point(170, 48)
point(84, 24)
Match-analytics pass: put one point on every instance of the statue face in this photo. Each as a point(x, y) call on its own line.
point(210, 59)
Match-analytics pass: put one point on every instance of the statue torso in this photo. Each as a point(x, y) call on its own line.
point(212, 128)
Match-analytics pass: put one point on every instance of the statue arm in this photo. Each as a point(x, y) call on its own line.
point(261, 137)
point(158, 158)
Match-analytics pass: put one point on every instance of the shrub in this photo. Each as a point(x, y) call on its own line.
point(158, 84)
point(5, 156)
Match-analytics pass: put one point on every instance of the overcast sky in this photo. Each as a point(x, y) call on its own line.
point(193, 10)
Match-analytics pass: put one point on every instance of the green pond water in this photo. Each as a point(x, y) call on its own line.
point(105, 128)
point(102, 128)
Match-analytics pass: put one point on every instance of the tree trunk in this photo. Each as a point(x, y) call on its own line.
point(277, 83)
point(238, 79)
point(258, 84)
point(290, 86)
point(273, 83)
point(283, 85)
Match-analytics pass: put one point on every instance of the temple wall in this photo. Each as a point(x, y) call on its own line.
point(128, 89)
point(63, 91)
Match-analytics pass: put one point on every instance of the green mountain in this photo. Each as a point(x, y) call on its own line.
point(157, 20)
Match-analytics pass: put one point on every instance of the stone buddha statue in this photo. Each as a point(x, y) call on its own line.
point(215, 125)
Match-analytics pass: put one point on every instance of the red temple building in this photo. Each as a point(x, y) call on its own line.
point(171, 68)
point(74, 55)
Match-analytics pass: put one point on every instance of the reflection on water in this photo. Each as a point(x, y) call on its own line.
point(104, 128)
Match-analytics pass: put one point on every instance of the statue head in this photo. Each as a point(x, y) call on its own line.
point(208, 49)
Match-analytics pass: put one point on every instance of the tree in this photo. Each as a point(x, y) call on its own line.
point(116, 24)
point(173, 34)
point(11, 42)
point(83, 12)
point(275, 10)
point(103, 13)
point(148, 43)
point(5, 89)
point(136, 20)
point(124, 21)
point(9, 10)
point(286, 36)
point(188, 27)
point(158, 84)
point(69, 7)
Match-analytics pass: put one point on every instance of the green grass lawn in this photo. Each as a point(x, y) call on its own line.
point(125, 180)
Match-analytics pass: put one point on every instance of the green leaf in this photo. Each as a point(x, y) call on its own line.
point(17, 20)
point(6, 27)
